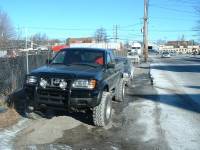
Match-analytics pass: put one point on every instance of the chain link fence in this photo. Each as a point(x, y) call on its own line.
point(13, 71)
point(122, 53)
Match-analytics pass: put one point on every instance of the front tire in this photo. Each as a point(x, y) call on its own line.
point(102, 113)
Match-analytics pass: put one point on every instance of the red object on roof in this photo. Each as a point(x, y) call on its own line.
point(59, 47)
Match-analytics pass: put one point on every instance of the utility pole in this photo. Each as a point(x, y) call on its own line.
point(115, 32)
point(145, 32)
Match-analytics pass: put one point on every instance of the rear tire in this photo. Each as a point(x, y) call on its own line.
point(102, 113)
point(120, 91)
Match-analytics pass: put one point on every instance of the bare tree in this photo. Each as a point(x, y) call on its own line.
point(7, 32)
point(127, 45)
point(54, 41)
point(40, 39)
point(101, 35)
point(161, 42)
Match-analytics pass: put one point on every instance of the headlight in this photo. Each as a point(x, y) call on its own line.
point(43, 83)
point(31, 80)
point(81, 83)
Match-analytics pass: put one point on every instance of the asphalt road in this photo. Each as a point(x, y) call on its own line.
point(177, 81)
point(163, 116)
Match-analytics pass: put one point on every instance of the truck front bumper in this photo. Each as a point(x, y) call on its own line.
point(76, 98)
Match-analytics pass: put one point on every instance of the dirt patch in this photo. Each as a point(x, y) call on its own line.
point(45, 131)
point(8, 118)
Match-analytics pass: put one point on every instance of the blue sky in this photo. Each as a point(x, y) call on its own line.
point(168, 19)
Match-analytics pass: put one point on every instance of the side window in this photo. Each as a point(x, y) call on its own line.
point(59, 58)
point(109, 60)
point(112, 57)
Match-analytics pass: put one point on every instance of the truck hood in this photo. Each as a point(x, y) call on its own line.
point(72, 71)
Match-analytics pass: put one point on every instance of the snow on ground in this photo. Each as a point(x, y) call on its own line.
point(146, 109)
point(180, 125)
point(181, 79)
point(7, 135)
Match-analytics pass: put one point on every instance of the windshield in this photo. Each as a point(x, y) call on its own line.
point(79, 56)
point(165, 53)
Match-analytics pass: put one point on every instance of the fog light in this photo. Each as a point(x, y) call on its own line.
point(43, 83)
point(63, 85)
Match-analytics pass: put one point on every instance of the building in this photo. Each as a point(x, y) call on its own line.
point(90, 42)
point(184, 47)
point(80, 40)
point(178, 44)
point(105, 45)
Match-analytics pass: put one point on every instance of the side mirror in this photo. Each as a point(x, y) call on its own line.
point(48, 61)
point(110, 65)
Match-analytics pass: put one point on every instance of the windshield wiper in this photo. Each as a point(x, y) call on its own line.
point(60, 64)
point(86, 64)
point(56, 64)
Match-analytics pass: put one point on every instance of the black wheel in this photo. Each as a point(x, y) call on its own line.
point(120, 91)
point(102, 112)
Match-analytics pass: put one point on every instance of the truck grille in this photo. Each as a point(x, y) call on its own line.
point(52, 96)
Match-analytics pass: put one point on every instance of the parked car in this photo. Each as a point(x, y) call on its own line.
point(77, 79)
point(165, 55)
point(128, 68)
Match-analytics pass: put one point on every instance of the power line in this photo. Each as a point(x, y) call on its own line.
point(75, 29)
point(187, 2)
point(172, 9)
point(178, 30)
point(183, 2)
point(169, 18)
point(136, 24)
point(53, 28)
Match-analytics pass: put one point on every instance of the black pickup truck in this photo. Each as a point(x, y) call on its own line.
point(77, 79)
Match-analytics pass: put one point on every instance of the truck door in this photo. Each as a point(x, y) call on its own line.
point(112, 72)
point(117, 69)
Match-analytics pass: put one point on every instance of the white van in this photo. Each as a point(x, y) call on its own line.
point(136, 47)
point(133, 55)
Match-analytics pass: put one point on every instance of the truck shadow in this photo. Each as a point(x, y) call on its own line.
point(178, 68)
point(17, 100)
point(183, 101)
